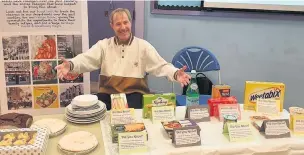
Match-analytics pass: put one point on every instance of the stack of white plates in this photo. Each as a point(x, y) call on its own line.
point(80, 142)
point(85, 109)
point(55, 126)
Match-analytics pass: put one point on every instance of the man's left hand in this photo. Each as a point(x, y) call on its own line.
point(183, 77)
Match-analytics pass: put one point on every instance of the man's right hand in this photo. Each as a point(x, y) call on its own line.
point(63, 69)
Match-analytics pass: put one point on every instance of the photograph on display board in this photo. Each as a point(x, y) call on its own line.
point(71, 77)
point(15, 48)
point(46, 96)
point(43, 47)
point(17, 73)
point(44, 72)
point(68, 92)
point(69, 46)
point(19, 97)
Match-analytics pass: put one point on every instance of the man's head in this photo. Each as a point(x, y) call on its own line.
point(120, 21)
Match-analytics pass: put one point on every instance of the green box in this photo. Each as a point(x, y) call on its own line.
point(154, 100)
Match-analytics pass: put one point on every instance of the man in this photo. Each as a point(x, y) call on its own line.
point(124, 61)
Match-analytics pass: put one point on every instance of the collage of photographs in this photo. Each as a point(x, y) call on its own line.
point(30, 75)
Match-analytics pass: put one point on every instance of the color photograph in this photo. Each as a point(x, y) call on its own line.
point(46, 97)
point(44, 72)
point(68, 92)
point(71, 77)
point(43, 47)
point(17, 73)
point(15, 48)
point(69, 46)
point(19, 98)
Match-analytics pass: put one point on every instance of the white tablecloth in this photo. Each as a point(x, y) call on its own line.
point(213, 141)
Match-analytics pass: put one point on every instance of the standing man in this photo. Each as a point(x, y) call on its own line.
point(124, 61)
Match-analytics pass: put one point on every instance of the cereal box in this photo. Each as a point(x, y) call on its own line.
point(153, 100)
point(219, 91)
point(263, 90)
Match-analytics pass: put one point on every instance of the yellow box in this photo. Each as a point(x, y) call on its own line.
point(263, 90)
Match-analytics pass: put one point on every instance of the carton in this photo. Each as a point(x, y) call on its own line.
point(263, 90)
point(153, 100)
point(219, 91)
point(213, 104)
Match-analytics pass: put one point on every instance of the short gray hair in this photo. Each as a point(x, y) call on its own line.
point(120, 10)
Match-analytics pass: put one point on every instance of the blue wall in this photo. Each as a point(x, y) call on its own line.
point(247, 49)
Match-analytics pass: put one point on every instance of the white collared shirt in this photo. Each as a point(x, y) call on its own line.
point(134, 60)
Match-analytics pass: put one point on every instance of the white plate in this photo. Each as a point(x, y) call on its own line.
point(77, 153)
point(102, 106)
point(84, 115)
point(85, 100)
point(78, 141)
point(54, 125)
point(85, 121)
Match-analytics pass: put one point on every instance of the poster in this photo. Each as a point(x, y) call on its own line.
point(35, 35)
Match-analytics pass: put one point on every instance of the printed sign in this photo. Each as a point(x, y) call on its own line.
point(186, 136)
point(198, 113)
point(132, 142)
point(240, 132)
point(276, 128)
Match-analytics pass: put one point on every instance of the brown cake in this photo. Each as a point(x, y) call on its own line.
point(15, 120)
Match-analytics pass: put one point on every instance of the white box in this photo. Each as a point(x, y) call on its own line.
point(38, 148)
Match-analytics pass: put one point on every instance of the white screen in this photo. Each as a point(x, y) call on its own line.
point(279, 5)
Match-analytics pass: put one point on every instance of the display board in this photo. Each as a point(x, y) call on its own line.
point(35, 35)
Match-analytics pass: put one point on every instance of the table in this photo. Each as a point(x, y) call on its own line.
point(213, 141)
point(93, 128)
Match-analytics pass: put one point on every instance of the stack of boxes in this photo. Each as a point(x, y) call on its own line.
point(220, 95)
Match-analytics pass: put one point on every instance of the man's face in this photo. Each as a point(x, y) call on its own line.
point(121, 26)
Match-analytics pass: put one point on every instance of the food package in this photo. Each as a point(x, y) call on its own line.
point(171, 125)
point(219, 91)
point(154, 100)
point(122, 128)
point(15, 120)
point(295, 112)
point(263, 90)
point(119, 101)
point(213, 104)
point(25, 141)
point(257, 121)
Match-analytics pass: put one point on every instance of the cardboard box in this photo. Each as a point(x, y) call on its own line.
point(213, 104)
point(39, 136)
point(171, 125)
point(219, 91)
point(263, 90)
point(153, 100)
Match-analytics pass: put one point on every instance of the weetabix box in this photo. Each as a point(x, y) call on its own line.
point(154, 100)
point(263, 90)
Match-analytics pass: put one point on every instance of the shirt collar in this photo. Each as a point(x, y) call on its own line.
point(129, 42)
